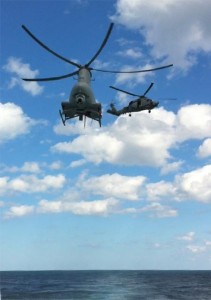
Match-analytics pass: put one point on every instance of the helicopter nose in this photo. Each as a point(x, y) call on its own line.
point(80, 98)
point(156, 104)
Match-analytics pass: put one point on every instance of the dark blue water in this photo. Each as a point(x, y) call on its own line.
point(108, 285)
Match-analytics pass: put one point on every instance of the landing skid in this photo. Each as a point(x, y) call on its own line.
point(63, 120)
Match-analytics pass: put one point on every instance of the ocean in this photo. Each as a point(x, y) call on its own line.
point(108, 285)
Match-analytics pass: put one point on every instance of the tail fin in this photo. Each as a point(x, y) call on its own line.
point(113, 110)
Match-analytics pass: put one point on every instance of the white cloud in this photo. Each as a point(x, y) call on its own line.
point(114, 185)
point(208, 243)
point(3, 184)
point(97, 207)
point(131, 53)
point(187, 237)
point(75, 127)
point(126, 146)
point(21, 70)
point(160, 211)
point(194, 122)
point(31, 184)
point(139, 140)
point(92, 147)
point(113, 188)
point(194, 185)
point(132, 79)
point(19, 211)
point(56, 165)
point(171, 167)
point(196, 248)
point(156, 191)
point(167, 24)
point(155, 210)
point(157, 245)
point(77, 163)
point(205, 149)
point(31, 167)
point(13, 121)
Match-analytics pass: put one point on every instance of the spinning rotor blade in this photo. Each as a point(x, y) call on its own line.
point(132, 93)
point(50, 78)
point(48, 49)
point(102, 45)
point(112, 87)
point(168, 99)
point(148, 88)
point(138, 71)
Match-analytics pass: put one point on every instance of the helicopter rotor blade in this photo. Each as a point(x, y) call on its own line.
point(112, 87)
point(149, 88)
point(131, 72)
point(102, 45)
point(48, 49)
point(50, 78)
point(168, 99)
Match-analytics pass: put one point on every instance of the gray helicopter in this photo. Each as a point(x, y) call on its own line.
point(82, 102)
point(142, 103)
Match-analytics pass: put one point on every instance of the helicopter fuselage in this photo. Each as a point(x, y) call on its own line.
point(81, 93)
point(142, 103)
point(82, 102)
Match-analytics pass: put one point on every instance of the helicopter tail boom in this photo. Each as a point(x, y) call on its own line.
point(113, 110)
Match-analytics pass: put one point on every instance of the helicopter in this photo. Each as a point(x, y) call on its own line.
point(82, 102)
point(142, 103)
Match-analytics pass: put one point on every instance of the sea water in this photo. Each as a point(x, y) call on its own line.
point(108, 285)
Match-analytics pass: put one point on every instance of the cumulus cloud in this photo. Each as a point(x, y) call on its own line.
point(194, 122)
point(56, 165)
point(75, 128)
point(131, 53)
point(13, 121)
point(96, 207)
point(167, 24)
point(115, 191)
point(28, 167)
point(139, 140)
point(187, 237)
point(124, 145)
point(21, 70)
point(171, 167)
point(114, 185)
point(31, 184)
point(19, 211)
point(156, 191)
point(77, 163)
point(95, 149)
point(103, 207)
point(194, 185)
point(132, 79)
point(159, 211)
point(196, 248)
point(205, 149)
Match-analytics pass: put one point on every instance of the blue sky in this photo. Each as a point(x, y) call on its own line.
point(133, 194)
